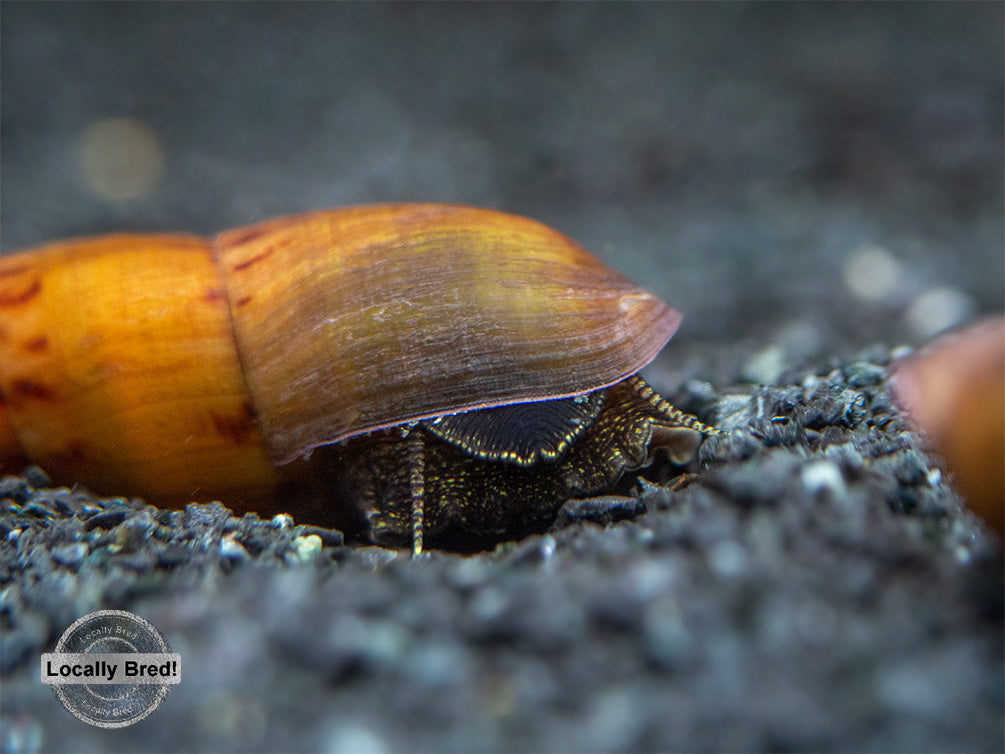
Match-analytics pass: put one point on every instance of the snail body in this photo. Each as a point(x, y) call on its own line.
point(177, 367)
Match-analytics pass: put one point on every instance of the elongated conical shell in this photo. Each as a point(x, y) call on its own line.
point(356, 319)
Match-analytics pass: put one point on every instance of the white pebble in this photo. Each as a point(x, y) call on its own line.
point(307, 547)
point(823, 475)
point(231, 548)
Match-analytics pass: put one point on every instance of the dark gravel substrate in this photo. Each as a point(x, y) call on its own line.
point(818, 586)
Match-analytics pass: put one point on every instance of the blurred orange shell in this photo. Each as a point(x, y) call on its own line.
point(955, 393)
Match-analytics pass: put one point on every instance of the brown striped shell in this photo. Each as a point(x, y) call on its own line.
point(364, 318)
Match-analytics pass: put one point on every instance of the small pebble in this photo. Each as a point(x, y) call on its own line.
point(14, 488)
point(862, 374)
point(37, 478)
point(69, 555)
point(533, 550)
point(105, 520)
point(820, 476)
point(205, 514)
point(305, 548)
point(233, 550)
point(603, 511)
point(328, 537)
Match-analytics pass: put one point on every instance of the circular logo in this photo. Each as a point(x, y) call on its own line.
point(111, 668)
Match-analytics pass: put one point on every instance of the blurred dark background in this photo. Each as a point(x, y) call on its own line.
point(801, 180)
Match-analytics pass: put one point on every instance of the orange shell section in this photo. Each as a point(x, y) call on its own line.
point(356, 319)
point(12, 456)
point(118, 368)
point(955, 392)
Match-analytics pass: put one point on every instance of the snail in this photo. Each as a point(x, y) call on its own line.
point(431, 368)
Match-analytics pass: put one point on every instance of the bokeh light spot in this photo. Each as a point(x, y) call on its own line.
point(121, 159)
